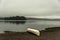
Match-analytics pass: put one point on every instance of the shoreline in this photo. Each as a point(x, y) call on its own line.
point(47, 34)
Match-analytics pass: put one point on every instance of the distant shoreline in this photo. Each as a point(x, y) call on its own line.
point(30, 20)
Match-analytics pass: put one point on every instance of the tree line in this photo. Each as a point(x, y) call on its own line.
point(13, 18)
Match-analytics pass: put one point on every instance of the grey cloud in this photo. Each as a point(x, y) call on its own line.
point(29, 7)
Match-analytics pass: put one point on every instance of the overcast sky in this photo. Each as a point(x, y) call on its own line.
point(30, 7)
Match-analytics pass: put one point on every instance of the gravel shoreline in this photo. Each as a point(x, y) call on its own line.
point(45, 35)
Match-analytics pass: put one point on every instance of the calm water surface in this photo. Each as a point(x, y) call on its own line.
point(21, 27)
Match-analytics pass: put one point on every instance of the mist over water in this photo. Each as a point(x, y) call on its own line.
point(21, 27)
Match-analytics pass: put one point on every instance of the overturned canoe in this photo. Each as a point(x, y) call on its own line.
point(34, 31)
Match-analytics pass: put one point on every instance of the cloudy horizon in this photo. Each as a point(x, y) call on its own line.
point(29, 8)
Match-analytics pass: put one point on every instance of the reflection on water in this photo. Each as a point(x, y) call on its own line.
point(23, 25)
point(14, 22)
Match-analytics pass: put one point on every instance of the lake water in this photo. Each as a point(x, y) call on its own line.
point(21, 27)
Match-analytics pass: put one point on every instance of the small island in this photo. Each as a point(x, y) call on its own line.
point(13, 18)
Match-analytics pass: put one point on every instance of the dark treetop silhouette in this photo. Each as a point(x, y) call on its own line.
point(13, 18)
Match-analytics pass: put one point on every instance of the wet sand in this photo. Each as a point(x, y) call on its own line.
point(47, 34)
